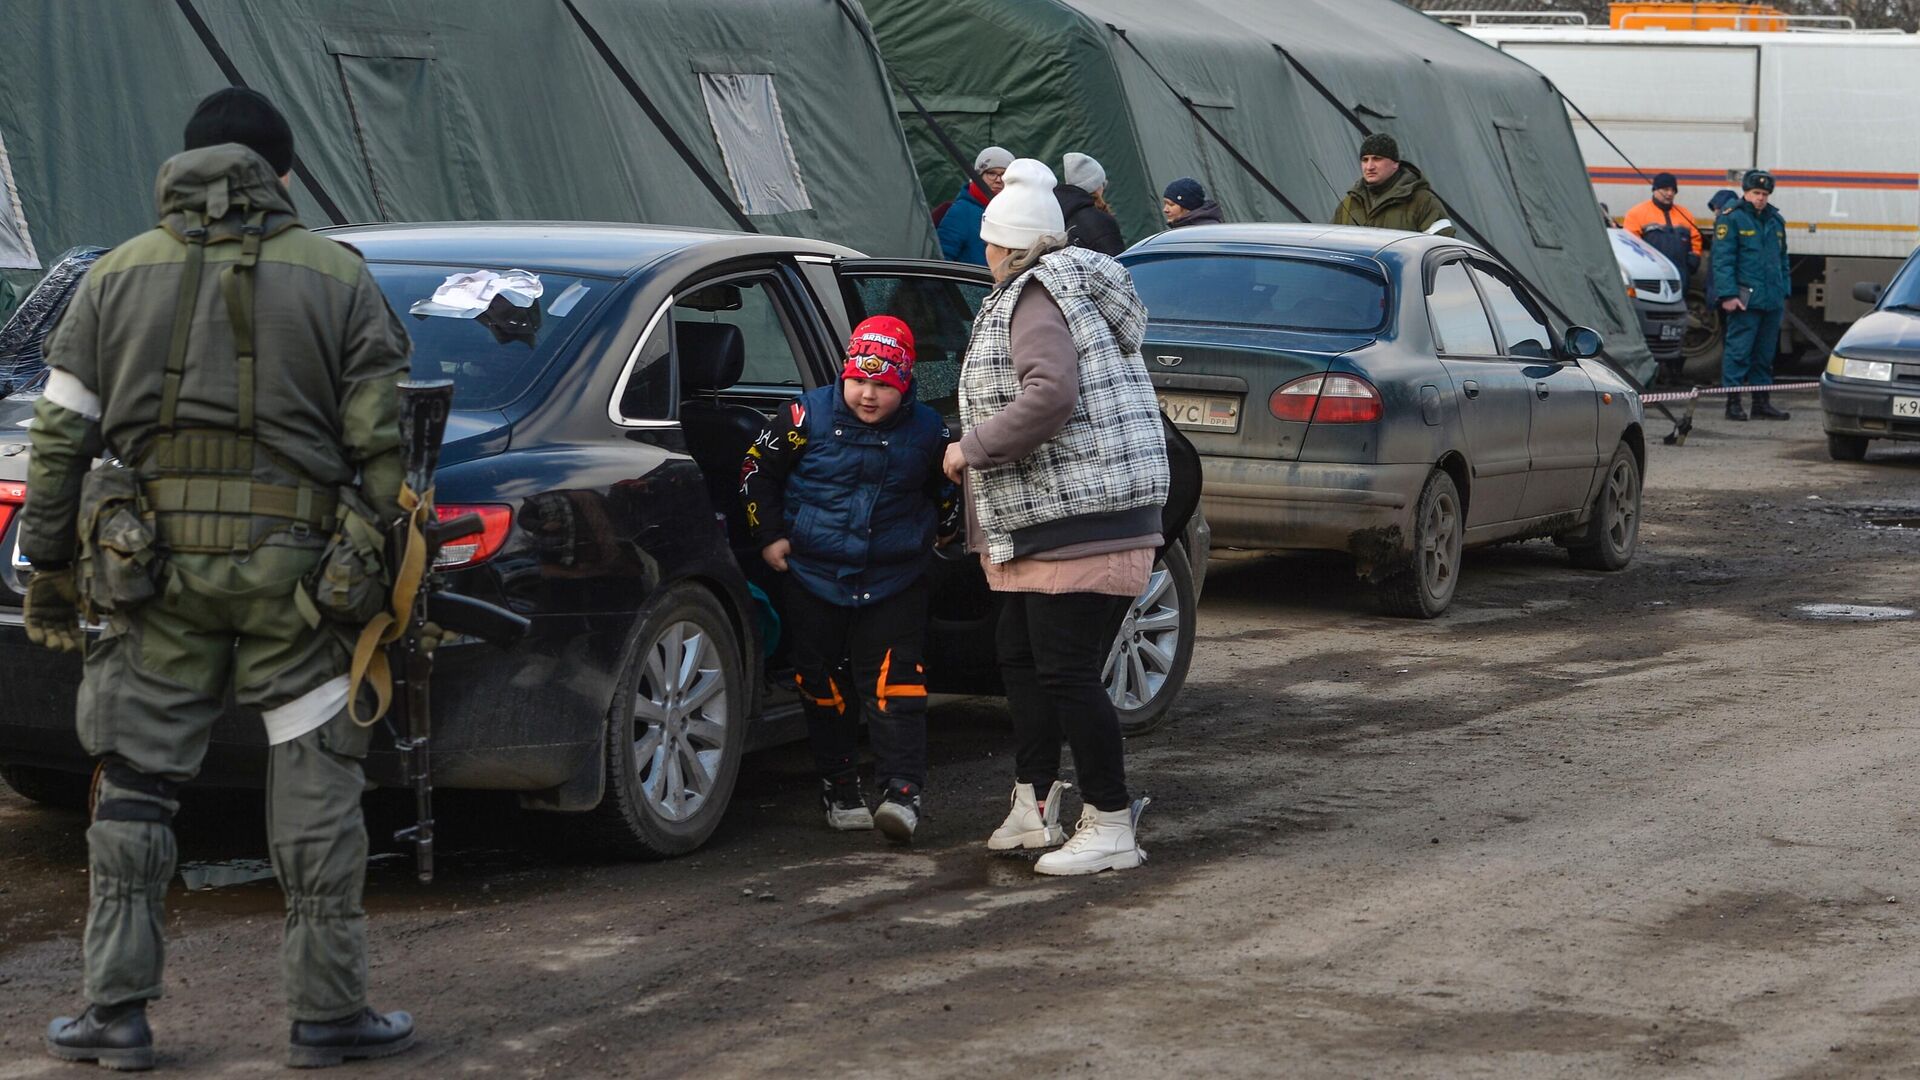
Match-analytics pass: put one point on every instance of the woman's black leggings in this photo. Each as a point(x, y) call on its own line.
point(1053, 649)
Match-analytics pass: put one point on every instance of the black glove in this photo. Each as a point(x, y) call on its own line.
point(52, 613)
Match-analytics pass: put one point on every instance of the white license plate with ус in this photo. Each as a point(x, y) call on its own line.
point(1204, 412)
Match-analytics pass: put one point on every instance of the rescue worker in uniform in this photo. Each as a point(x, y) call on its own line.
point(243, 372)
point(1751, 276)
point(1391, 193)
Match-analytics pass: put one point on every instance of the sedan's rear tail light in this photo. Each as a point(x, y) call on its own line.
point(13, 496)
point(459, 552)
point(1326, 399)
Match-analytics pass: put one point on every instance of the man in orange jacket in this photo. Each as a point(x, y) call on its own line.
point(1667, 226)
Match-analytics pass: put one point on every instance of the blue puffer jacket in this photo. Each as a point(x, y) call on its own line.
point(960, 228)
point(862, 502)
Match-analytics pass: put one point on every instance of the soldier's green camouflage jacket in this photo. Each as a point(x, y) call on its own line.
point(329, 352)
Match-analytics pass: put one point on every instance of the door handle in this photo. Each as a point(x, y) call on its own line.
point(1470, 388)
point(1540, 390)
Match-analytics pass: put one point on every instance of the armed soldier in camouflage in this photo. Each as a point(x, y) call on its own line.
point(239, 374)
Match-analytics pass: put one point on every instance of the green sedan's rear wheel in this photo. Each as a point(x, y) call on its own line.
point(1425, 588)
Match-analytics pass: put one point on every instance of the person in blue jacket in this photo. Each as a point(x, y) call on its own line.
point(845, 497)
point(1751, 276)
point(960, 225)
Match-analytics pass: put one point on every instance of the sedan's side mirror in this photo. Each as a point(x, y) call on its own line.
point(1581, 343)
point(1868, 292)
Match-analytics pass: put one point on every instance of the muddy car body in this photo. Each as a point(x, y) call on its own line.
point(1311, 369)
point(1871, 388)
point(600, 433)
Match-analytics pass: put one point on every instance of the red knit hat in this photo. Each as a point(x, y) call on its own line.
point(881, 350)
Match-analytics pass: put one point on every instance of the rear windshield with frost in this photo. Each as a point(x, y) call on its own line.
point(1260, 290)
point(495, 355)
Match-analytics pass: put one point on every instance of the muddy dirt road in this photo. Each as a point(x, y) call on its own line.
point(1584, 825)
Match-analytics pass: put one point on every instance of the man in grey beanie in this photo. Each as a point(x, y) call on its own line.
point(1391, 193)
point(1090, 221)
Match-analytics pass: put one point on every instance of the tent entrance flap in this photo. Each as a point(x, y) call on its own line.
point(1523, 161)
point(401, 126)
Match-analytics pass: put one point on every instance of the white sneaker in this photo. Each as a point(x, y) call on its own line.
point(1102, 841)
point(846, 808)
point(898, 815)
point(1030, 824)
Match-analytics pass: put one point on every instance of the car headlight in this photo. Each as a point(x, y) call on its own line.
point(1848, 368)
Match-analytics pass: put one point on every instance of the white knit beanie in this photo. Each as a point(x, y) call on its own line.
point(1083, 172)
point(993, 157)
point(1026, 210)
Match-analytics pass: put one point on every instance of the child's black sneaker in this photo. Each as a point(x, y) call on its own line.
point(846, 807)
point(899, 812)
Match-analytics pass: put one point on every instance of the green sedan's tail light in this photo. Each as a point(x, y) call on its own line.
point(1326, 399)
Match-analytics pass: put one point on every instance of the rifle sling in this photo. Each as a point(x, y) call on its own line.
point(370, 664)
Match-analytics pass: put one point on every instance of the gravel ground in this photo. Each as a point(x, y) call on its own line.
point(1585, 824)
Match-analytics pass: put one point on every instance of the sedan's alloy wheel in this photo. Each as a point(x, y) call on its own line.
point(1623, 504)
point(1440, 546)
point(1143, 655)
point(681, 711)
point(675, 732)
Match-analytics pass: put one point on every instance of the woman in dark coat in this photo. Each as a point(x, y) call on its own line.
point(1090, 222)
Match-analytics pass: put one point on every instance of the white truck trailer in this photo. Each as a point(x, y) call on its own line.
point(1830, 112)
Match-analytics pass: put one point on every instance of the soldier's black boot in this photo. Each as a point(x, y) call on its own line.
point(1763, 407)
point(116, 1036)
point(1734, 411)
point(367, 1034)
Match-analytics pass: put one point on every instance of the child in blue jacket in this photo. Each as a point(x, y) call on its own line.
point(845, 496)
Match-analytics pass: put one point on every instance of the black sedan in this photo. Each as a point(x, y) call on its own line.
point(1871, 388)
point(1390, 395)
point(605, 398)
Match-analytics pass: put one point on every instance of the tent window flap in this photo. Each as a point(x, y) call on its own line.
point(745, 112)
point(16, 243)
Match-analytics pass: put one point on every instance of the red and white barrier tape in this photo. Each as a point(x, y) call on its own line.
point(1709, 391)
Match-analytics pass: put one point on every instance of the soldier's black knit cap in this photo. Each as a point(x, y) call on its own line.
point(1380, 144)
point(239, 115)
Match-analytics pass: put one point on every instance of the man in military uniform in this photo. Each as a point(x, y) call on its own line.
point(1752, 278)
point(243, 372)
point(1391, 194)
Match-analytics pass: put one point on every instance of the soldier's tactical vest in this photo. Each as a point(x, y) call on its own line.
point(219, 489)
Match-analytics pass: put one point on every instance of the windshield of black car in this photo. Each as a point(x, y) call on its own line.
point(1904, 292)
point(1261, 290)
point(491, 336)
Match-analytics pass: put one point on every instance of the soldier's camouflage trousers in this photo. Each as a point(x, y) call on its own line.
point(154, 684)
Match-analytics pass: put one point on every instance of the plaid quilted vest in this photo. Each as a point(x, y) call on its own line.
point(1111, 455)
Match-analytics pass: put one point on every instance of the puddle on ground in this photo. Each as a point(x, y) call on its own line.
point(1880, 517)
point(1853, 612)
point(213, 875)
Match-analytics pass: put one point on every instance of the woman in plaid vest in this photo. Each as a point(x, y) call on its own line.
point(1066, 472)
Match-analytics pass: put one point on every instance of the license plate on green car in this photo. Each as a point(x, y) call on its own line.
point(1201, 412)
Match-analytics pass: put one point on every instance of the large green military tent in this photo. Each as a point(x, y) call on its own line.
point(1265, 102)
point(772, 115)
